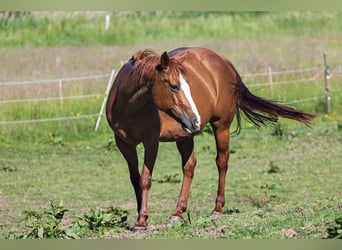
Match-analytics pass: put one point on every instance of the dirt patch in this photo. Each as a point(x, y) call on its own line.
point(288, 233)
point(247, 54)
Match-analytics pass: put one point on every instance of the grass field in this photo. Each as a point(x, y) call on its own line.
point(283, 182)
point(284, 187)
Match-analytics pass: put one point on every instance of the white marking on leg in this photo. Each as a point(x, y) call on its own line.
point(186, 89)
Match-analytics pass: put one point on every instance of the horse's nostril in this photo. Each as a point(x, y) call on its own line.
point(195, 123)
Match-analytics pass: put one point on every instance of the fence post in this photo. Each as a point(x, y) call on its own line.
point(104, 99)
point(60, 92)
point(270, 77)
point(327, 85)
point(107, 22)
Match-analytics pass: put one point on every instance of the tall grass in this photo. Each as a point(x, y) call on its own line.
point(137, 27)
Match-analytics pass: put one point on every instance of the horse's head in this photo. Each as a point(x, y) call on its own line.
point(171, 93)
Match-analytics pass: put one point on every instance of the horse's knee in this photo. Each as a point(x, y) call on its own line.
point(189, 167)
point(145, 182)
point(222, 161)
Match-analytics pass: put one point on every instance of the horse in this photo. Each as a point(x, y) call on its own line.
point(170, 98)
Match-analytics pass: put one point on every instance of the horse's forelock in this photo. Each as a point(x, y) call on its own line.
point(146, 65)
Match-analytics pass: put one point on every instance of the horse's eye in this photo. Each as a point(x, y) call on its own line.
point(174, 88)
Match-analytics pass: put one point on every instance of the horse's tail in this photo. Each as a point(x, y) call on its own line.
point(261, 111)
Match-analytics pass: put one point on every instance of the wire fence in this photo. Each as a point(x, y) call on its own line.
point(303, 75)
point(55, 80)
point(56, 98)
point(314, 72)
point(61, 97)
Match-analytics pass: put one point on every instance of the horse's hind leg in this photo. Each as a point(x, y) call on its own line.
point(222, 143)
point(186, 149)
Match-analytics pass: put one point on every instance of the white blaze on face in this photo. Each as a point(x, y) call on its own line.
point(186, 89)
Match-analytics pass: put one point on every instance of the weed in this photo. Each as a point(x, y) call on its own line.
point(335, 232)
point(204, 222)
point(262, 200)
point(99, 221)
point(231, 211)
point(46, 224)
point(208, 130)
point(269, 186)
point(273, 168)
point(278, 130)
point(259, 201)
point(339, 126)
point(110, 145)
point(170, 178)
point(55, 139)
point(8, 168)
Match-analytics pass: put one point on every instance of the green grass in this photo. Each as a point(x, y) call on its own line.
point(302, 196)
point(136, 27)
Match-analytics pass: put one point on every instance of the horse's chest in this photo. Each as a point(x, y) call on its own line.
point(133, 129)
point(128, 132)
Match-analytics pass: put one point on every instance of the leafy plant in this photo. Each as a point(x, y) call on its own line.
point(335, 232)
point(262, 200)
point(278, 130)
point(274, 169)
point(110, 145)
point(46, 224)
point(231, 211)
point(55, 139)
point(208, 130)
point(100, 220)
point(205, 222)
point(168, 179)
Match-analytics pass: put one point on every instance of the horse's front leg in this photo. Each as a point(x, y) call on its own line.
point(186, 149)
point(131, 157)
point(151, 149)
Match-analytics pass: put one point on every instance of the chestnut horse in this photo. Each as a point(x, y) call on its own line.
point(171, 98)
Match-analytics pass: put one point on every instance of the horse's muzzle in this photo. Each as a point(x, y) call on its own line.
point(191, 125)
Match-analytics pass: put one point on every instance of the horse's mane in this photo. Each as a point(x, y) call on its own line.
point(146, 66)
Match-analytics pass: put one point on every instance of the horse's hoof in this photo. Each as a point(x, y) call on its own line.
point(139, 229)
point(174, 219)
point(216, 214)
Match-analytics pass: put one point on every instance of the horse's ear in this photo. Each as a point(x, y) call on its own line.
point(164, 61)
